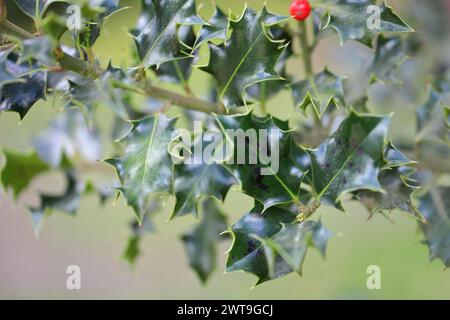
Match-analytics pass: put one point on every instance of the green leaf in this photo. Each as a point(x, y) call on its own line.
point(289, 246)
point(21, 95)
point(67, 201)
point(248, 57)
point(399, 194)
point(156, 34)
point(201, 242)
point(432, 119)
point(87, 93)
point(270, 246)
point(266, 90)
point(350, 19)
point(246, 252)
point(390, 53)
point(394, 158)
point(215, 29)
point(263, 179)
point(20, 170)
point(323, 90)
point(433, 137)
point(133, 249)
point(179, 71)
point(39, 49)
point(435, 207)
point(146, 167)
point(351, 159)
point(6, 72)
point(194, 179)
point(69, 136)
point(32, 8)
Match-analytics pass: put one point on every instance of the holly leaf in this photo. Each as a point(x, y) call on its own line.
point(246, 252)
point(399, 194)
point(146, 168)
point(354, 20)
point(179, 71)
point(216, 28)
point(156, 34)
point(270, 246)
point(435, 208)
point(20, 170)
point(390, 53)
point(69, 136)
point(19, 96)
point(32, 8)
point(39, 49)
point(262, 158)
point(432, 140)
point(266, 90)
point(351, 159)
point(286, 251)
point(394, 157)
point(6, 72)
point(201, 242)
point(248, 57)
point(67, 202)
point(195, 178)
point(133, 249)
point(432, 119)
point(87, 93)
point(321, 91)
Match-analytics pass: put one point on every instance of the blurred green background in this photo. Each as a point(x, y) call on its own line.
point(95, 238)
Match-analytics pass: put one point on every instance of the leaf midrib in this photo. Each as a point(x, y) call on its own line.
point(148, 150)
point(344, 165)
point(230, 80)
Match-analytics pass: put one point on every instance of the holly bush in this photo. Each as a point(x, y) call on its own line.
point(340, 151)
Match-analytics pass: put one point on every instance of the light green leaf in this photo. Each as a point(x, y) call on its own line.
point(351, 19)
point(146, 168)
point(248, 57)
point(20, 170)
point(435, 206)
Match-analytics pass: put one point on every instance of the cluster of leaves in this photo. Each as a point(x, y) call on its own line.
point(345, 153)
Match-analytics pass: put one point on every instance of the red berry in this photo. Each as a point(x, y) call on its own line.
point(300, 9)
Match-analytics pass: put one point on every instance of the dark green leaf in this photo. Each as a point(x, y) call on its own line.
point(22, 95)
point(201, 242)
point(269, 246)
point(146, 167)
point(194, 179)
point(320, 92)
point(248, 57)
point(435, 207)
point(266, 90)
point(350, 159)
point(247, 253)
point(390, 53)
point(215, 29)
point(156, 34)
point(398, 194)
point(179, 71)
point(272, 181)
